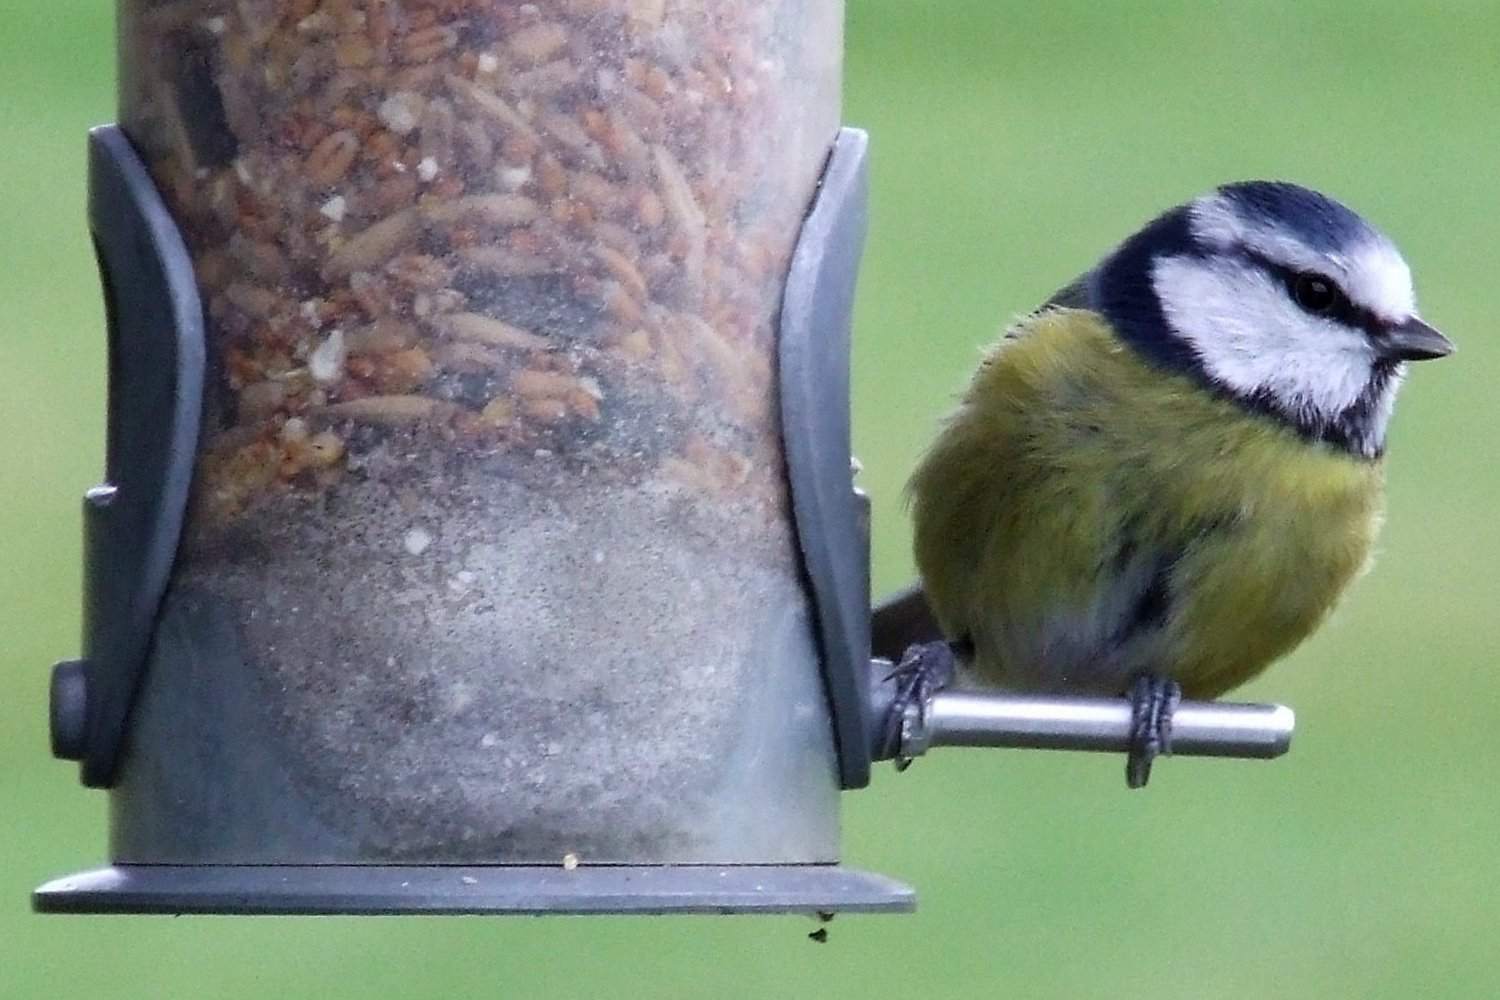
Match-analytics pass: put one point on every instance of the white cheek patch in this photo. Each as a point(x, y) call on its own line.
point(1251, 337)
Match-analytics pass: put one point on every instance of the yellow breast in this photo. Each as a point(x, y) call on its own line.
point(1085, 516)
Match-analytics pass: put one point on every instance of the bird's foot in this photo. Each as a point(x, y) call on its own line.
point(1153, 699)
point(924, 670)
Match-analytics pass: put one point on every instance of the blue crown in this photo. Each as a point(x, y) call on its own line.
point(1315, 219)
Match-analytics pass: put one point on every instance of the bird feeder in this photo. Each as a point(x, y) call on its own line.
point(478, 532)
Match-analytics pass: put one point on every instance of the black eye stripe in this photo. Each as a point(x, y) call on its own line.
point(1343, 310)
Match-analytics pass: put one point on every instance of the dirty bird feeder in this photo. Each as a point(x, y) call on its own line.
point(478, 532)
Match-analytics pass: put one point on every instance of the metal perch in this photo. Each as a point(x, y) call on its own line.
point(971, 718)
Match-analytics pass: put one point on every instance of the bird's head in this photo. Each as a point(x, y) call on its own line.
point(1281, 298)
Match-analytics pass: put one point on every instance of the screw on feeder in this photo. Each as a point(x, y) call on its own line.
point(101, 496)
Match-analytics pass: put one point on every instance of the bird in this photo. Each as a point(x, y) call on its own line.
point(1163, 479)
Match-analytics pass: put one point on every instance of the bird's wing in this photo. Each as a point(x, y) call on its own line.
point(1016, 529)
point(905, 618)
point(1077, 294)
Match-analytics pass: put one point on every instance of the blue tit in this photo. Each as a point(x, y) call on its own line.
point(1162, 480)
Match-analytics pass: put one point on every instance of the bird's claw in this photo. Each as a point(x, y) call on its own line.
point(924, 670)
point(1153, 699)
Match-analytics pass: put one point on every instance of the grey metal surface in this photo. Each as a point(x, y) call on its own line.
point(814, 349)
point(251, 889)
point(1036, 722)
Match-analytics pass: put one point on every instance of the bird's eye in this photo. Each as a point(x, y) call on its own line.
point(1315, 293)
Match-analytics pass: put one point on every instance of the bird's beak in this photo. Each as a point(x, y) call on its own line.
point(1412, 340)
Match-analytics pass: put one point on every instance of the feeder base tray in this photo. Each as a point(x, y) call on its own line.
point(509, 889)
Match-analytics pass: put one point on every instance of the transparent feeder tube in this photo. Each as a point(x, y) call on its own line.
point(489, 533)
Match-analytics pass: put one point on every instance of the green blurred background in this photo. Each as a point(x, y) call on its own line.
point(1012, 143)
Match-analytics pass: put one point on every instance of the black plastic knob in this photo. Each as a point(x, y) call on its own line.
point(69, 710)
